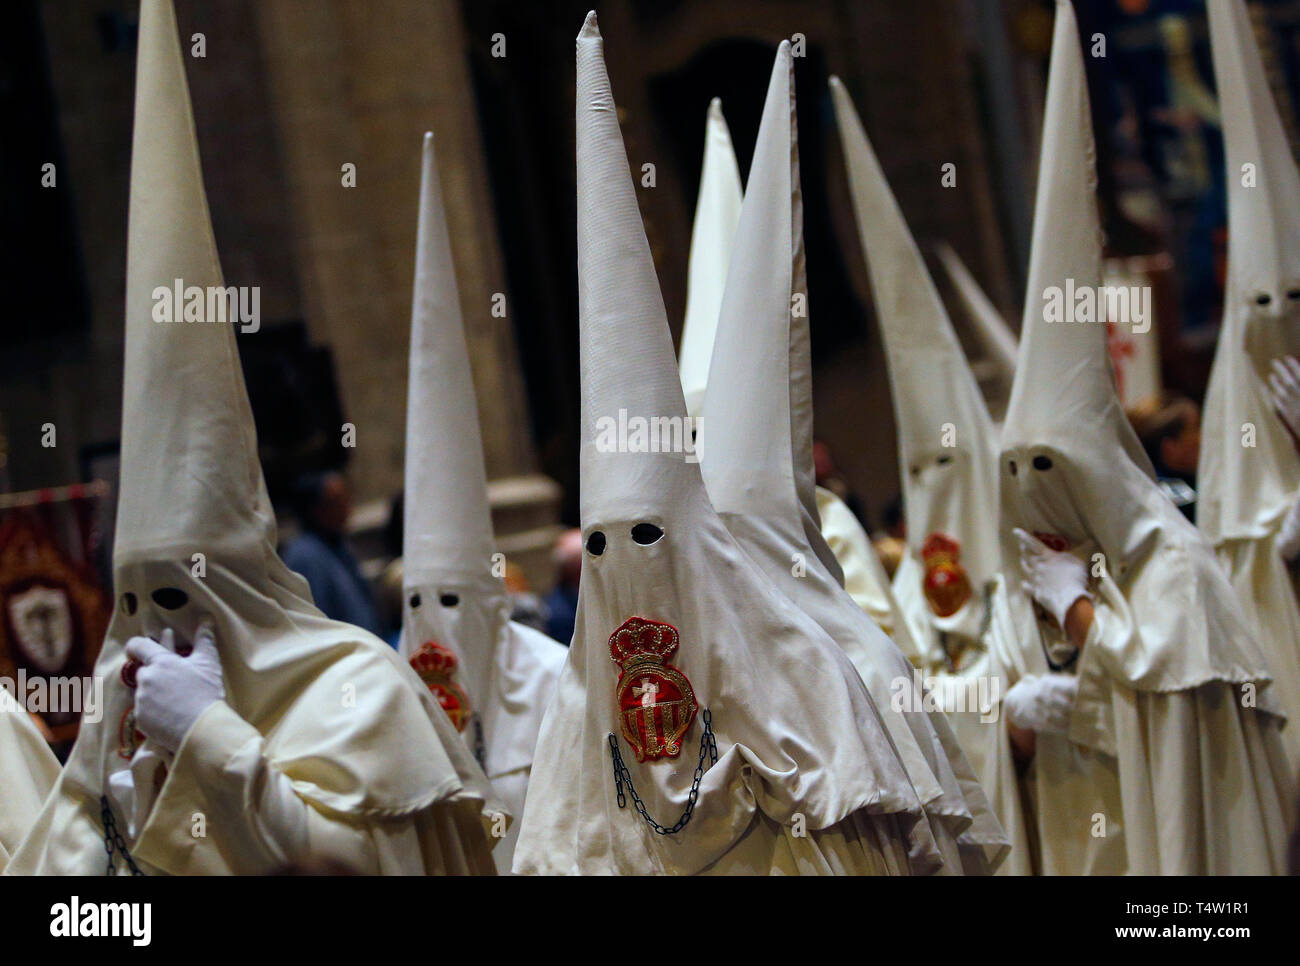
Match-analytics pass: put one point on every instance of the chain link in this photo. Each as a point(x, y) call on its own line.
point(480, 747)
point(708, 745)
point(113, 839)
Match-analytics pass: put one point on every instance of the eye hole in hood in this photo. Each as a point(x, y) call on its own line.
point(646, 533)
point(170, 598)
point(596, 543)
point(449, 600)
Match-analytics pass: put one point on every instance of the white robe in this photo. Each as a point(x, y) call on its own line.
point(28, 770)
point(864, 574)
point(244, 817)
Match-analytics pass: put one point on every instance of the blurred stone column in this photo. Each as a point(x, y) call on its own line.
point(358, 82)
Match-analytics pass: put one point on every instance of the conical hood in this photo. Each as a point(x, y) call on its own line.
point(448, 522)
point(630, 379)
point(1245, 489)
point(717, 213)
point(759, 441)
point(451, 597)
point(946, 440)
point(1263, 192)
point(757, 455)
point(1073, 470)
point(1063, 396)
point(184, 404)
point(999, 342)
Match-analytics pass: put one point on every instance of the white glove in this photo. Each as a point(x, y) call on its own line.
point(1284, 384)
point(1042, 704)
point(1054, 578)
point(1288, 535)
point(172, 691)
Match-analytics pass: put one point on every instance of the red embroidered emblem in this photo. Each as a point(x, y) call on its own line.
point(436, 666)
point(129, 738)
point(656, 704)
point(946, 585)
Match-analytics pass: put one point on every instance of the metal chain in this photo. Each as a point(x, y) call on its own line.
point(113, 839)
point(708, 745)
point(986, 620)
point(480, 747)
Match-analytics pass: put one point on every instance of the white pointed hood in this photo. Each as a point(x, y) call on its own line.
point(1244, 490)
point(757, 454)
point(191, 485)
point(673, 617)
point(999, 342)
point(452, 600)
point(1072, 466)
point(716, 214)
point(764, 445)
point(947, 444)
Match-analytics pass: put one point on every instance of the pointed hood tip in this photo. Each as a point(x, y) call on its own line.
point(715, 107)
point(427, 140)
point(590, 28)
point(834, 83)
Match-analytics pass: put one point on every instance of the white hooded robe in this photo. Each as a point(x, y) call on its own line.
point(1249, 473)
point(1173, 686)
point(327, 747)
point(500, 675)
point(955, 603)
point(741, 727)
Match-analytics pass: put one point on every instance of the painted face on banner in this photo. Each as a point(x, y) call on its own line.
point(42, 622)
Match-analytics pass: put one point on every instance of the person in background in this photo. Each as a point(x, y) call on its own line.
point(322, 503)
point(892, 545)
point(562, 601)
point(525, 606)
point(829, 478)
point(1169, 427)
point(388, 588)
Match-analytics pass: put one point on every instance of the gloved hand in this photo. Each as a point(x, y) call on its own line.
point(1288, 536)
point(1284, 386)
point(1054, 578)
point(172, 691)
point(1042, 704)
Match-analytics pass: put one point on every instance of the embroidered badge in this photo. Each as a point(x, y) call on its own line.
point(436, 666)
point(655, 702)
point(129, 738)
point(946, 585)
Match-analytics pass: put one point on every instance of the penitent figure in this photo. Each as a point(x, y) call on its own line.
point(702, 722)
point(244, 731)
point(492, 676)
point(1159, 748)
